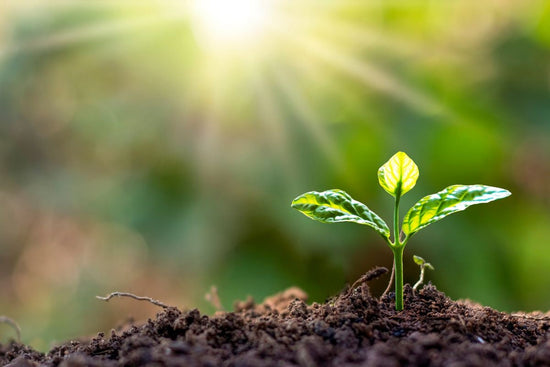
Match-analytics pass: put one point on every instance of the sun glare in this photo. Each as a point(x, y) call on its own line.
point(230, 22)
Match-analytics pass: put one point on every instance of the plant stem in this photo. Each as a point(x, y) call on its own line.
point(398, 258)
point(397, 249)
point(396, 221)
point(421, 280)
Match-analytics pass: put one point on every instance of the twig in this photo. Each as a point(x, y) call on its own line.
point(130, 295)
point(367, 277)
point(13, 324)
point(213, 298)
point(390, 282)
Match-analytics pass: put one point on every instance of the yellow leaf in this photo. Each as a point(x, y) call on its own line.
point(398, 175)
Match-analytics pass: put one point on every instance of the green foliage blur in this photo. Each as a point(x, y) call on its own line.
point(133, 157)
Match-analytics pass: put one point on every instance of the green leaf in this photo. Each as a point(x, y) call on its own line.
point(398, 175)
point(422, 263)
point(418, 260)
point(333, 206)
point(453, 199)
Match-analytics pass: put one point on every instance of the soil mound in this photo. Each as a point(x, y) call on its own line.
point(351, 329)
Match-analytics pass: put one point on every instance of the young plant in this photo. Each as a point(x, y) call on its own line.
point(423, 265)
point(397, 177)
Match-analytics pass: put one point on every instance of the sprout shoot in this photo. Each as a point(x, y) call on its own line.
point(423, 265)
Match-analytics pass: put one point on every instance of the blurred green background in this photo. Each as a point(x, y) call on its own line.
point(142, 151)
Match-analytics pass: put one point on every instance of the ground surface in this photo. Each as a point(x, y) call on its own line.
point(352, 329)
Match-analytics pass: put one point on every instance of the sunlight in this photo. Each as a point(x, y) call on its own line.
point(227, 23)
point(371, 76)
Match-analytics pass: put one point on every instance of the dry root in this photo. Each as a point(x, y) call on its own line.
point(213, 298)
point(13, 324)
point(390, 283)
point(370, 275)
point(133, 296)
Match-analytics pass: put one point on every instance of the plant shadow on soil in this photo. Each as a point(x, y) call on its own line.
point(351, 329)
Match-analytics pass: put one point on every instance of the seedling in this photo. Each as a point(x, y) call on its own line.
point(423, 265)
point(397, 176)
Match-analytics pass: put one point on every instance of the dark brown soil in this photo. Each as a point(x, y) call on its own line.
point(352, 329)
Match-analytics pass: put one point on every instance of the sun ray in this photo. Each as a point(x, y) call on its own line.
point(134, 15)
point(274, 125)
point(366, 73)
point(354, 35)
point(313, 123)
point(83, 34)
point(206, 126)
point(307, 116)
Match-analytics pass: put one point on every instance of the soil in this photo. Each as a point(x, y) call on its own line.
point(351, 329)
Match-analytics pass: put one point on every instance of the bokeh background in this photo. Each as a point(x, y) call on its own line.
point(146, 148)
